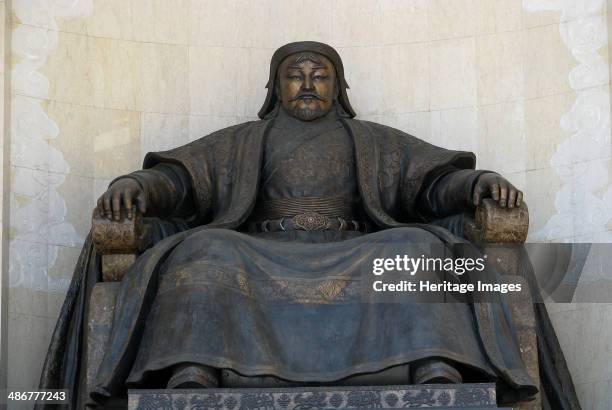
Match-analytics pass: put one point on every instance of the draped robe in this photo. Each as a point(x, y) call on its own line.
point(247, 289)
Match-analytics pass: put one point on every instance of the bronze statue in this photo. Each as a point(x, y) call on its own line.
point(263, 228)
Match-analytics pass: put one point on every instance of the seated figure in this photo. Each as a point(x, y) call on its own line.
point(268, 226)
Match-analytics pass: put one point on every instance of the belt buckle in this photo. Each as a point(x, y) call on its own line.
point(310, 221)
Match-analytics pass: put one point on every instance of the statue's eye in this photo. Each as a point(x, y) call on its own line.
point(294, 77)
point(319, 77)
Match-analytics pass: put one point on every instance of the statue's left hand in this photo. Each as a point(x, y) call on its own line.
point(495, 186)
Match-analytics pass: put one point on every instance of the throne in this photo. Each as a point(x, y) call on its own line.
point(120, 242)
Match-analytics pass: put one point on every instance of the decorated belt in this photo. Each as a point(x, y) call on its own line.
point(331, 207)
point(309, 221)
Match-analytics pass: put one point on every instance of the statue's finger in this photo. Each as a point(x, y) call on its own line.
point(495, 191)
point(476, 197)
point(127, 201)
point(503, 195)
point(480, 192)
point(107, 206)
point(142, 203)
point(116, 202)
point(519, 198)
point(100, 205)
point(512, 193)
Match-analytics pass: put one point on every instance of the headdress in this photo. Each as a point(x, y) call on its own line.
point(300, 47)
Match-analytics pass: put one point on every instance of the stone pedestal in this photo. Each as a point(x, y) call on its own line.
point(438, 396)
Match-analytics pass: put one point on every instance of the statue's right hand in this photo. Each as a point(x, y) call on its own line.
point(124, 193)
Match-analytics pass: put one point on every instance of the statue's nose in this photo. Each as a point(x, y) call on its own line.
point(307, 84)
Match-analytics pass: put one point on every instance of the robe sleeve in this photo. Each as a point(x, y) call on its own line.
point(193, 159)
point(424, 164)
point(449, 194)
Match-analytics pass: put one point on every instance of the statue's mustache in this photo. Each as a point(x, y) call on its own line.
point(308, 95)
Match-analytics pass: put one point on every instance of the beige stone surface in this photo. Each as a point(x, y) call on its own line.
point(452, 19)
point(204, 26)
point(89, 135)
point(540, 18)
point(165, 79)
point(542, 130)
point(96, 71)
point(160, 21)
point(3, 189)
point(149, 21)
point(213, 79)
point(405, 21)
point(547, 62)
point(498, 16)
point(499, 67)
point(356, 23)
point(453, 73)
point(116, 142)
point(406, 78)
point(503, 144)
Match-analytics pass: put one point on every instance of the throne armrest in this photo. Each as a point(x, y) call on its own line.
point(494, 224)
point(119, 243)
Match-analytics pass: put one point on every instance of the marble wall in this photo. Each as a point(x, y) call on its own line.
point(97, 84)
point(580, 163)
point(3, 192)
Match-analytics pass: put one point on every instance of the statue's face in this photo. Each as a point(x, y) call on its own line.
point(307, 85)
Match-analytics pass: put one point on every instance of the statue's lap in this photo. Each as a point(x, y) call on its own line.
point(271, 301)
